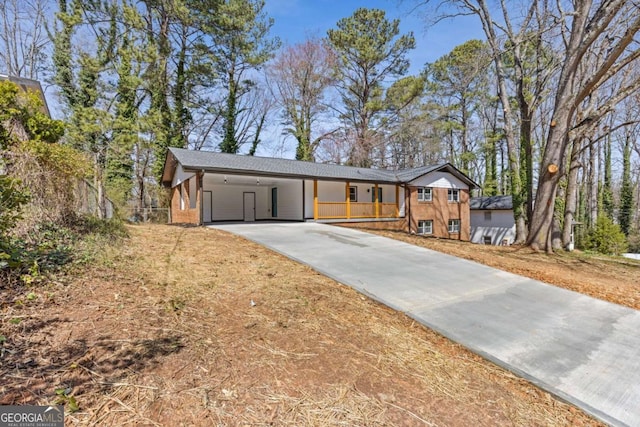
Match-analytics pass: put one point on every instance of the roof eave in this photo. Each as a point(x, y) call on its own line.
point(234, 171)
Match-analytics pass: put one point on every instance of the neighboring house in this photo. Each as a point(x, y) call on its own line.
point(29, 85)
point(492, 221)
point(207, 186)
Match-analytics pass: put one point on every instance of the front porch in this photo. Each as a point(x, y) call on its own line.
point(349, 207)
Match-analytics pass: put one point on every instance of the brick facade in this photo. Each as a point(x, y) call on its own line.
point(184, 211)
point(440, 211)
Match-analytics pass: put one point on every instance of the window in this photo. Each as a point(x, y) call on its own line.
point(487, 216)
point(454, 195)
point(487, 240)
point(425, 226)
point(353, 194)
point(454, 226)
point(373, 195)
point(425, 194)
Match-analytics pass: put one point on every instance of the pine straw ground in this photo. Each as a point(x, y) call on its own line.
point(161, 331)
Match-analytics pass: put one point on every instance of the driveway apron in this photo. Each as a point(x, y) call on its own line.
point(583, 350)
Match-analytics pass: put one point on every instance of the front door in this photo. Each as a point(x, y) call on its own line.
point(274, 202)
point(249, 206)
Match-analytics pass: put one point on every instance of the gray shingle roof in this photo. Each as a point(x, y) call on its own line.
point(267, 166)
point(491, 203)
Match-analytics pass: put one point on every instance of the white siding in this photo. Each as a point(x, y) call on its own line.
point(289, 203)
point(501, 226)
point(330, 191)
point(180, 176)
point(439, 180)
point(308, 199)
point(228, 202)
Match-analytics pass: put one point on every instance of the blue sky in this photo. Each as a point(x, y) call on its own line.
point(295, 20)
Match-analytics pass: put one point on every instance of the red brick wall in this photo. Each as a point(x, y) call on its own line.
point(186, 215)
point(440, 211)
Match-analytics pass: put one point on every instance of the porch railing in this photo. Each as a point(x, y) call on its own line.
point(339, 210)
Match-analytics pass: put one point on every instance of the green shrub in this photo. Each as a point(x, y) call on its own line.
point(12, 198)
point(606, 238)
point(50, 247)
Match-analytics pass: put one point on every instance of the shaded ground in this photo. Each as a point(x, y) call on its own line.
point(194, 326)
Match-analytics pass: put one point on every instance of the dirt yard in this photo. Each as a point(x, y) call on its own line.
point(196, 327)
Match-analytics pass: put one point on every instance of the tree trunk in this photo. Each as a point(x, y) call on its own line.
point(571, 199)
point(594, 183)
point(552, 169)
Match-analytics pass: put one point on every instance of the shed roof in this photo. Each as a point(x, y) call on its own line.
point(210, 161)
point(492, 203)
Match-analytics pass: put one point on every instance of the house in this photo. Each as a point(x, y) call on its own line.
point(207, 186)
point(492, 221)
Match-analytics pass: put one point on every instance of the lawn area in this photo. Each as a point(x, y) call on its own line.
point(198, 327)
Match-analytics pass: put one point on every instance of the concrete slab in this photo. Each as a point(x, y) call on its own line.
point(584, 350)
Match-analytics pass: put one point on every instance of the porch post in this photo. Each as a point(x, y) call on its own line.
point(347, 200)
point(315, 199)
point(397, 201)
point(377, 200)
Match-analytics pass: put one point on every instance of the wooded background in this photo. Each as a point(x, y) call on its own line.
point(545, 108)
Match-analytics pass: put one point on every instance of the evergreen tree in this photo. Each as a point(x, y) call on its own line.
point(626, 189)
point(370, 50)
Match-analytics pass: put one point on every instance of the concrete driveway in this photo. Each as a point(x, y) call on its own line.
point(584, 350)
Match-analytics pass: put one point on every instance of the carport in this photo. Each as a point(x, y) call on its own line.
point(232, 197)
point(211, 187)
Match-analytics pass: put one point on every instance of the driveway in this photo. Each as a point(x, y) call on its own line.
point(581, 349)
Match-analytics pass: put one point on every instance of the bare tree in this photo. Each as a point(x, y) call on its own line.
point(518, 55)
point(584, 29)
point(23, 39)
point(299, 78)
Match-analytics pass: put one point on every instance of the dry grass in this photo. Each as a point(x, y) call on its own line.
point(163, 332)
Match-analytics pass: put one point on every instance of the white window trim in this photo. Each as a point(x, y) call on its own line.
point(430, 221)
point(424, 192)
point(451, 197)
point(355, 194)
point(452, 226)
